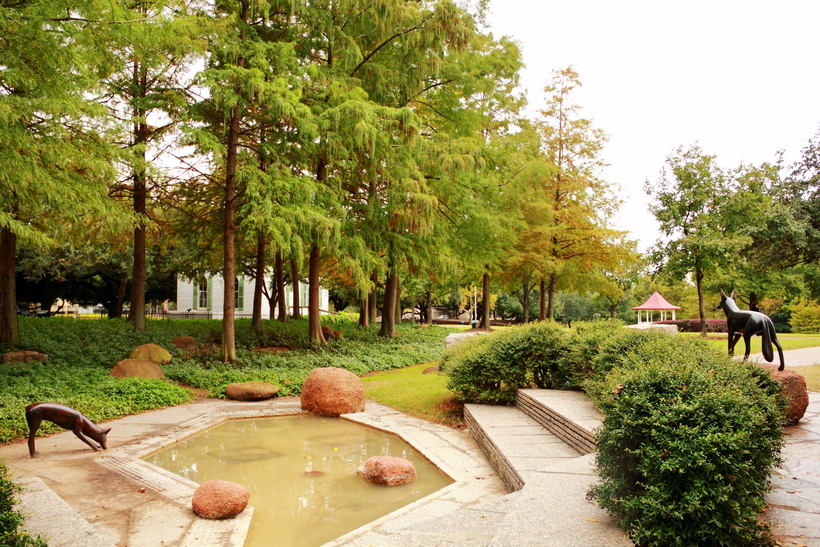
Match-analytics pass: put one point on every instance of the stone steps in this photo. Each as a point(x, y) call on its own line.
point(543, 450)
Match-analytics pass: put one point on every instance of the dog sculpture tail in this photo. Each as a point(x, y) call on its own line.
point(770, 337)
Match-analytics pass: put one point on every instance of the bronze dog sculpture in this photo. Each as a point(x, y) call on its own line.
point(67, 418)
point(749, 323)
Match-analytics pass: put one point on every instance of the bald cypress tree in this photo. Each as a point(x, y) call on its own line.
point(54, 166)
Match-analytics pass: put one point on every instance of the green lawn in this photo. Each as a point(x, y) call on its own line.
point(788, 341)
point(409, 390)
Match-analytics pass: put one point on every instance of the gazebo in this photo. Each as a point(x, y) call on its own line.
point(655, 303)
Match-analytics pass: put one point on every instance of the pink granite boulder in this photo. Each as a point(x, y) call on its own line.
point(794, 390)
point(330, 391)
point(388, 470)
point(136, 368)
point(251, 391)
point(216, 499)
point(186, 343)
point(24, 356)
point(151, 352)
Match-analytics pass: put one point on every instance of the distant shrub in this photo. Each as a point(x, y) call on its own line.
point(693, 325)
point(687, 445)
point(491, 368)
point(805, 317)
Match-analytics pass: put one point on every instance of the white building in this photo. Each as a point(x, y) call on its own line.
point(205, 296)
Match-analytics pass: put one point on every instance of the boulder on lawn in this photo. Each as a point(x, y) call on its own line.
point(216, 499)
point(330, 391)
point(136, 368)
point(794, 390)
point(186, 343)
point(251, 391)
point(24, 356)
point(330, 333)
point(151, 352)
point(388, 470)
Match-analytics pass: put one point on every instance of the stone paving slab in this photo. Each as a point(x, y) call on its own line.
point(575, 406)
point(794, 501)
point(48, 516)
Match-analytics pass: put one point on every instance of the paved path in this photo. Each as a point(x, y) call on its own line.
point(794, 502)
point(793, 357)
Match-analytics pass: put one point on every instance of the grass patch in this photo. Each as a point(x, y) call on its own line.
point(812, 376)
point(412, 392)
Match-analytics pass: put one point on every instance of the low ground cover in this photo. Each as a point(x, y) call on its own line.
point(81, 354)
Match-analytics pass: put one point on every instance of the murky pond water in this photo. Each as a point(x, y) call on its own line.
point(301, 473)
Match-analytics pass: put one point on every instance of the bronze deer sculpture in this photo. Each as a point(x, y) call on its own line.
point(67, 418)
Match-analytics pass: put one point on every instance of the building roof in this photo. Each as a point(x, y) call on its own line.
point(656, 302)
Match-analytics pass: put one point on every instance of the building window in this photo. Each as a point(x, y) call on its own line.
point(202, 292)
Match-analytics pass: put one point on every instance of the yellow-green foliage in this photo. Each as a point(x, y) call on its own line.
point(806, 317)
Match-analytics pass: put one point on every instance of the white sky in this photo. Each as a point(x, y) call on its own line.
point(740, 78)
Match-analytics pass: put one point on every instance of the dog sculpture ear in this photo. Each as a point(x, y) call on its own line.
point(722, 294)
point(734, 295)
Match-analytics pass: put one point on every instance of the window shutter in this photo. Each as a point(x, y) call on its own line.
point(210, 292)
point(240, 297)
point(195, 304)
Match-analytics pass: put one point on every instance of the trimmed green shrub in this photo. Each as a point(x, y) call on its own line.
point(490, 368)
point(687, 445)
point(11, 522)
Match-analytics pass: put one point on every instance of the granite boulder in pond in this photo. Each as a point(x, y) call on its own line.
point(251, 391)
point(330, 391)
point(216, 499)
point(388, 470)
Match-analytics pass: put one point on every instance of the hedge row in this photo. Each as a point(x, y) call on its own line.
point(689, 437)
point(693, 325)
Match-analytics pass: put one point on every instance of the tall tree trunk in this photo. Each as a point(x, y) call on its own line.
point(364, 312)
point(121, 297)
point(294, 286)
point(525, 300)
point(388, 328)
point(699, 282)
point(372, 300)
point(256, 319)
point(314, 313)
point(9, 328)
point(542, 297)
point(551, 296)
point(484, 323)
point(229, 220)
point(397, 309)
point(141, 134)
point(279, 278)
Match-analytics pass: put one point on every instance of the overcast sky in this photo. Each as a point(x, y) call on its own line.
point(740, 78)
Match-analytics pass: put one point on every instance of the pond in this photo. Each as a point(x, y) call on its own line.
point(301, 473)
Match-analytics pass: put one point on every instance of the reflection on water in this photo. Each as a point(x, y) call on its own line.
point(301, 472)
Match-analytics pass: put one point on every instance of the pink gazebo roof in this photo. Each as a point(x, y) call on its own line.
point(656, 302)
